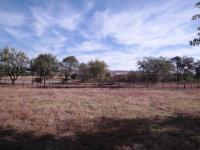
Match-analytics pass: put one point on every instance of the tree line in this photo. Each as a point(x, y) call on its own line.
point(15, 63)
point(179, 69)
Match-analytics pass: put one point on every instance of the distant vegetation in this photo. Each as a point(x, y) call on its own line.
point(15, 63)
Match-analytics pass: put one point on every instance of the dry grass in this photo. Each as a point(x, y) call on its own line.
point(99, 114)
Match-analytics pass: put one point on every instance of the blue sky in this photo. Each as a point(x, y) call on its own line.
point(120, 32)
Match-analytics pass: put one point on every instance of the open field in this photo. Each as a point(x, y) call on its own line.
point(34, 118)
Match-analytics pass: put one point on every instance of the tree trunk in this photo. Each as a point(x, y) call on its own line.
point(13, 78)
point(5, 80)
point(13, 81)
point(32, 79)
point(177, 81)
point(44, 81)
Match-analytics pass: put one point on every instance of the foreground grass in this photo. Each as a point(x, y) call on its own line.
point(99, 119)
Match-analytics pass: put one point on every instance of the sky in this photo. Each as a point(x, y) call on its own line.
point(119, 32)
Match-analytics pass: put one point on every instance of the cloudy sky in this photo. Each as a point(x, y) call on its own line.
point(120, 32)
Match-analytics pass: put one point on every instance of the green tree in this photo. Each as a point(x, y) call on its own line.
point(196, 41)
point(97, 70)
point(150, 67)
point(44, 65)
point(178, 67)
point(155, 69)
point(13, 62)
point(83, 71)
point(70, 65)
point(1, 71)
point(197, 71)
point(165, 68)
point(188, 68)
point(184, 67)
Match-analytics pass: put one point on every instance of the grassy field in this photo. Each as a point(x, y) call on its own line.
point(99, 119)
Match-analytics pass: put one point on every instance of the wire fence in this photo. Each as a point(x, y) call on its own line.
point(58, 83)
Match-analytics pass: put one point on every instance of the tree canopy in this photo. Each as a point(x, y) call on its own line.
point(183, 67)
point(155, 68)
point(83, 71)
point(44, 65)
point(13, 62)
point(70, 65)
point(97, 69)
point(196, 41)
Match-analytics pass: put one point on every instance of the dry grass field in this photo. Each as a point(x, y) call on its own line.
point(99, 119)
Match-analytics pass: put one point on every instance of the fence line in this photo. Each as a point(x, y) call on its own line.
point(77, 84)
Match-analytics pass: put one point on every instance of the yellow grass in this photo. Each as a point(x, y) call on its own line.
point(41, 109)
point(64, 112)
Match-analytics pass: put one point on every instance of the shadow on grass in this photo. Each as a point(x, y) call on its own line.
point(172, 133)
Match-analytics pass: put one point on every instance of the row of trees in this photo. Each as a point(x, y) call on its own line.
point(15, 63)
point(179, 69)
point(161, 69)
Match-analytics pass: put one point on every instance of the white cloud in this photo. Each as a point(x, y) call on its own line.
point(53, 44)
point(190, 51)
point(71, 17)
point(58, 15)
point(11, 18)
point(117, 60)
point(148, 27)
point(42, 21)
point(127, 60)
point(70, 22)
point(90, 46)
point(18, 34)
point(118, 36)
